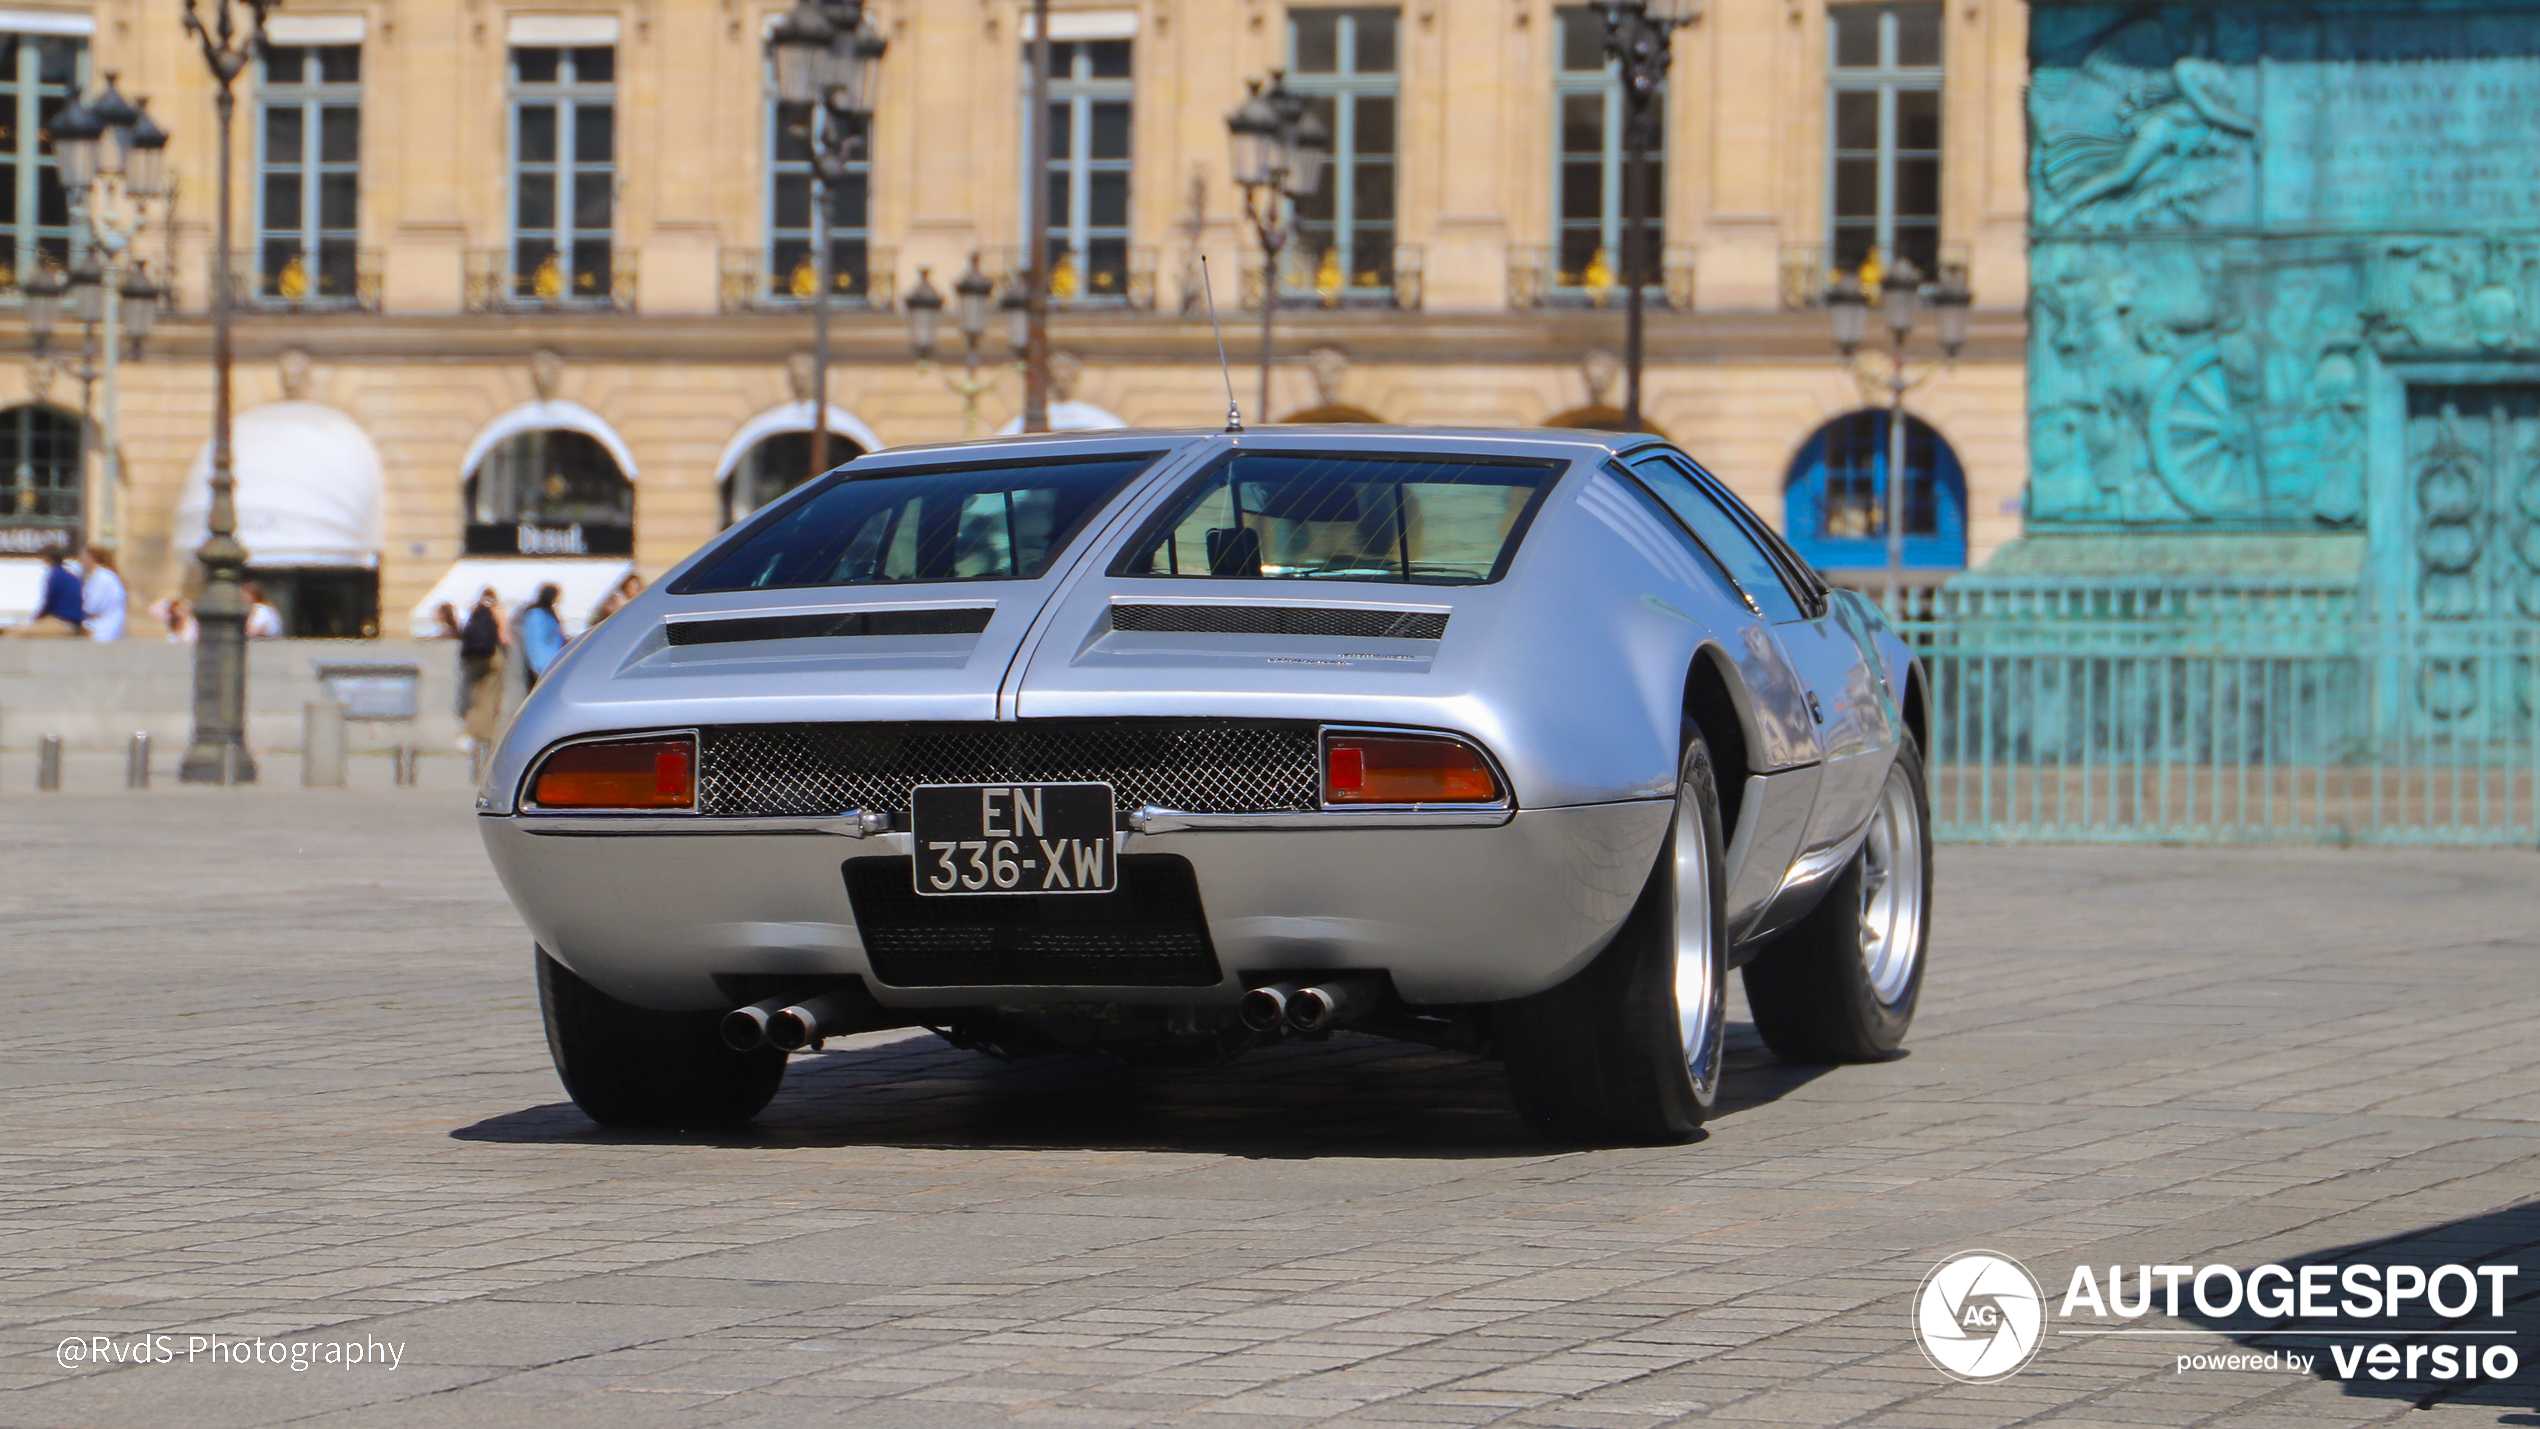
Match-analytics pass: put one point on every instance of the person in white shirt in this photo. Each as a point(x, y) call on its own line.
point(101, 594)
point(263, 621)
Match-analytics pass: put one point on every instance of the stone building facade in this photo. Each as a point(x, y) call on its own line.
point(526, 281)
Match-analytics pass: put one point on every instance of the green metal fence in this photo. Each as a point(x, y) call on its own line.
point(2225, 712)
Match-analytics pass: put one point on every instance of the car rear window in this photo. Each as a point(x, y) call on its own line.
point(1299, 516)
point(1003, 522)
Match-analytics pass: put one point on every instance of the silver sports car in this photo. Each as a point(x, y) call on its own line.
point(1165, 745)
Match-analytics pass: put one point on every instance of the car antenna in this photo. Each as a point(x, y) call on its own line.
point(1234, 414)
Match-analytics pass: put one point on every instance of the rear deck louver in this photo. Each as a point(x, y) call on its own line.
point(967, 620)
point(1280, 620)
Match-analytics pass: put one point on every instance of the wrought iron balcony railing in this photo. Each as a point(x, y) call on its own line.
point(1538, 279)
point(751, 283)
point(1104, 274)
point(1807, 271)
point(289, 278)
point(533, 277)
point(1391, 278)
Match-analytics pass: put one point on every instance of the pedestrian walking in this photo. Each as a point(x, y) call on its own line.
point(263, 621)
point(627, 590)
point(62, 612)
point(177, 615)
point(101, 594)
point(481, 672)
point(446, 620)
point(541, 633)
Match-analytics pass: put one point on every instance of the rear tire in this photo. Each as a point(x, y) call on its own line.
point(1841, 985)
point(1628, 1051)
point(630, 1066)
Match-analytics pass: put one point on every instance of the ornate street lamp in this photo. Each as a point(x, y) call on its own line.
point(1639, 39)
point(75, 133)
point(140, 306)
point(973, 295)
point(1277, 146)
point(43, 289)
point(1901, 298)
point(145, 172)
point(112, 165)
point(826, 55)
point(218, 754)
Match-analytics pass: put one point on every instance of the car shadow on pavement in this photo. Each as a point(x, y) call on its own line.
point(1349, 1096)
point(2507, 1237)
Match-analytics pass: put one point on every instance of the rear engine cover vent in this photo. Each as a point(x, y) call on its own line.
point(1280, 620)
point(968, 620)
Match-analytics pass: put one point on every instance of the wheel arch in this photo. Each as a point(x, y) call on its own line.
point(1717, 703)
point(1917, 709)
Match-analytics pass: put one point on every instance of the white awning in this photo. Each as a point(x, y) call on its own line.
point(792, 417)
point(317, 29)
point(1069, 416)
point(1086, 24)
point(21, 591)
point(19, 20)
point(564, 30)
point(543, 417)
point(585, 584)
point(308, 488)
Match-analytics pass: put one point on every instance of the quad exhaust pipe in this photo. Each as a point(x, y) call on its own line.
point(1324, 1006)
point(745, 1028)
point(789, 1025)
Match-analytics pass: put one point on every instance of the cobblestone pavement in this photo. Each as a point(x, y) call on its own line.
point(273, 1068)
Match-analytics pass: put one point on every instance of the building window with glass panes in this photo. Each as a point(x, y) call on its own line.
point(1090, 99)
point(309, 173)
point(1884, 171)
point(564, 173)
point(38, 75)
point(1588, 186)
point(792, 275)
point(39, 479)
point(1342, 63)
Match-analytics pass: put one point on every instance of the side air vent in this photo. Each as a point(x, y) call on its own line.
point(969, 620)
point(1280, 620)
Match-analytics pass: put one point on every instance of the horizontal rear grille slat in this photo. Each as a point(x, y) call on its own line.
point(1197, 766)
point(968, 620)
point(1280, 620)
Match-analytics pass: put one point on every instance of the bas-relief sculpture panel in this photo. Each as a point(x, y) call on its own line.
point(2238, 210)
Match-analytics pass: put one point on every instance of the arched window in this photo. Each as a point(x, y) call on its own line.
point(775, 465)
point(1836, 502)
point(39, 476)
point(550, 492)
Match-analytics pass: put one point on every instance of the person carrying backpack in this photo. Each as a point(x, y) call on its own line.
point(481, 642)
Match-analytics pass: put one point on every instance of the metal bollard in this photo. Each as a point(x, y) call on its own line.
point(403, 760)
point(48, 763)
point(322, 745)
point(228, 765)
point(136, 761)
point(477, 755)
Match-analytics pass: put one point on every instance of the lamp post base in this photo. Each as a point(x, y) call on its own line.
point(215, 761)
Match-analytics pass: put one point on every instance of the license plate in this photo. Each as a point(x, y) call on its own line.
point(1013, 838)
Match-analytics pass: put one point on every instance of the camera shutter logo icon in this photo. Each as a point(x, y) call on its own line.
point(1979, 1316)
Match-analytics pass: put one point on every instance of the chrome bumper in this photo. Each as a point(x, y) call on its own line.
point(1457, 910)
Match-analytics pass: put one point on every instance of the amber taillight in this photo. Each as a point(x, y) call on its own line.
point(1405, 769)
point(658, 773)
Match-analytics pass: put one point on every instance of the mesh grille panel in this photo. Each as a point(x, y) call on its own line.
point(958, 621)
point(1281, 620)
point(1195, 766)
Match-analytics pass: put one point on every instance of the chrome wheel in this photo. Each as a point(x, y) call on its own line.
point(1701, 987)
point(1891, 888)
